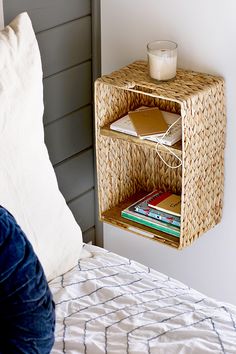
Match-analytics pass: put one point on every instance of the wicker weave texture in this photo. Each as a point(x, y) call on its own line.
point(124, 168)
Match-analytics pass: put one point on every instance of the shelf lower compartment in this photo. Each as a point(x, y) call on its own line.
point(113, 217)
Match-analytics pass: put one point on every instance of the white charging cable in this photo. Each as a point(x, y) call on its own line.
point(160, 142)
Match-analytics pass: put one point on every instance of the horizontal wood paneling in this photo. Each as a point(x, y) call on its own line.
point(63, 29)
point(1, 15)
point(69, 135)
point(65, 46)
point(76, 176)
point(67, 91)
point(83, 210)
point(89, 236)
point(47, 13)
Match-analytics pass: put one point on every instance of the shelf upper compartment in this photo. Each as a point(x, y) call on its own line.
point(108, 132)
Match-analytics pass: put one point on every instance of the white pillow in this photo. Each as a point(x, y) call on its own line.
point(28, 186)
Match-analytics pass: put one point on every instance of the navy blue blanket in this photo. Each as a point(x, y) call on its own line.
point(26, 307)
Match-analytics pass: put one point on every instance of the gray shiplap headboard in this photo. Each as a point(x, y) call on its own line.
point(1, 15)
point(64, 31)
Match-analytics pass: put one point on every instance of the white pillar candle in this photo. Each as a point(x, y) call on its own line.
point(162, 60)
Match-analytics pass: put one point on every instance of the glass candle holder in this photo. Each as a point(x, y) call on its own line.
point(162, 60)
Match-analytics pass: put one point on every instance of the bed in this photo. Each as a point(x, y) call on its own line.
point(104, 303)
point(110, 304)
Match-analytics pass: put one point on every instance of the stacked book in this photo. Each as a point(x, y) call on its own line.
point(157, 210)
point(152, 124)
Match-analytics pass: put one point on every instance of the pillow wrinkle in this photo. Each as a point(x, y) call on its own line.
point(32, 282)
point(16, 261)
point(26, 306)
point(9, 251)
point(14, 293)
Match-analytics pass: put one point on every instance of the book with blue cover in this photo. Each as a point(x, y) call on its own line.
point(130, 214)
point(142, 207)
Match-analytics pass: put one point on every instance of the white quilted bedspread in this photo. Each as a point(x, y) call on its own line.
point(109, 304)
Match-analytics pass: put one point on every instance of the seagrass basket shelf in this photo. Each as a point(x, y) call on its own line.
point(128, 167)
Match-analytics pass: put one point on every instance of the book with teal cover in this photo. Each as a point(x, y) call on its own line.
point(150, 223)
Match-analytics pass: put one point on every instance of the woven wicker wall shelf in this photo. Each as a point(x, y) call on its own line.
point(127, 166)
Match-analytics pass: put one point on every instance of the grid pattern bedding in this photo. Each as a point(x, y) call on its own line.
point(110, 304)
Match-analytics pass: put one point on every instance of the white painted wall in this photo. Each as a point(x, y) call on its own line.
point(206, 33)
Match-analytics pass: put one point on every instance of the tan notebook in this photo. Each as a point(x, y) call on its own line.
point(148, 121)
